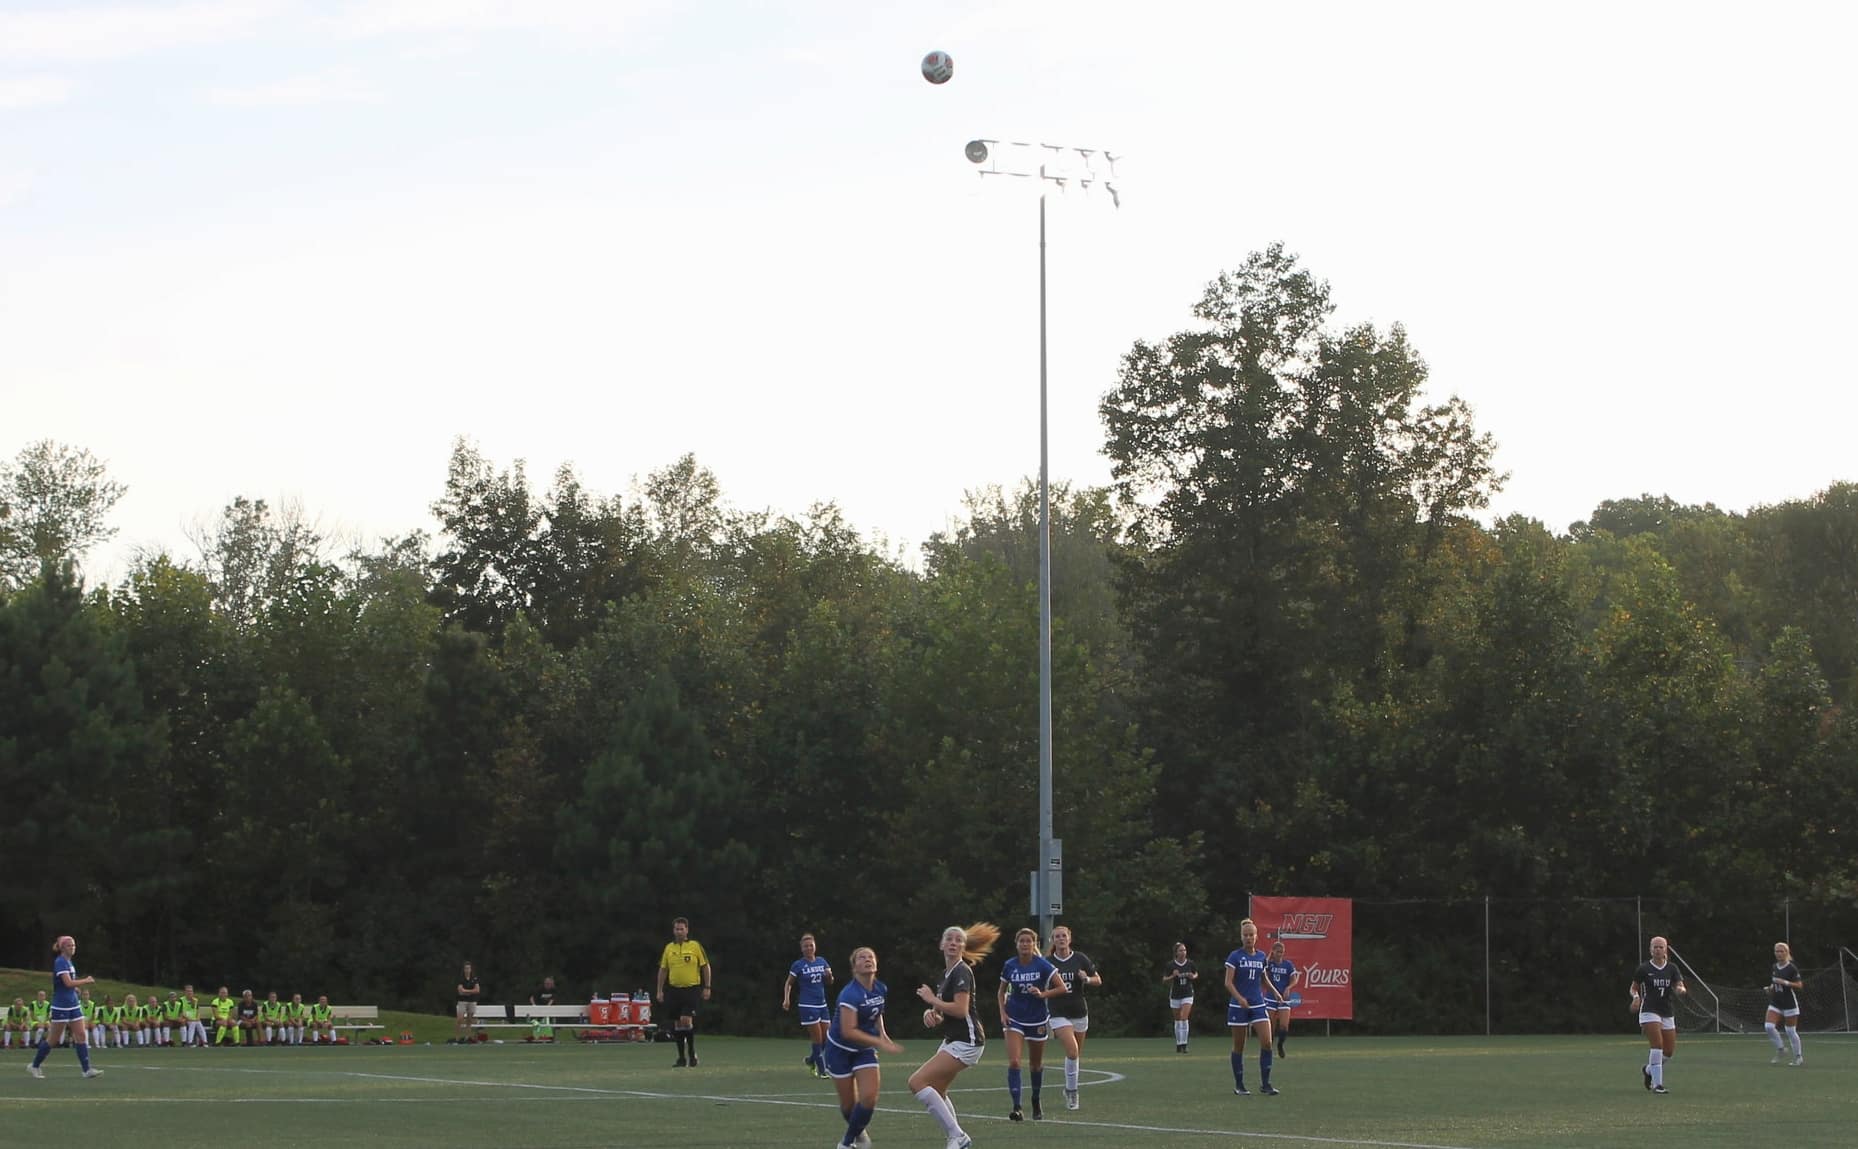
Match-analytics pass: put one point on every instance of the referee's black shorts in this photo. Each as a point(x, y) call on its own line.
point(682, 1000)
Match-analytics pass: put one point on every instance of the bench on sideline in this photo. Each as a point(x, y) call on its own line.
point(493, 1016)
point(358, 1018)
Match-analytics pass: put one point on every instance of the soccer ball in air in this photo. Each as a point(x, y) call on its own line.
point(938, 67)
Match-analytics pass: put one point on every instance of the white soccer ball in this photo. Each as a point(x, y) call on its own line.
point(938, 67)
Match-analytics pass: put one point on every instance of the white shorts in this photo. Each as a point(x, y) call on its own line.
point(1081, 1024)
point(1794, 1012)
point(1654, 1019)
point(1177, 1002)
point(965, 1052)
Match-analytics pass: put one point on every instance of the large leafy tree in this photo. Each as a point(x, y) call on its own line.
point(1287, 484)
point(55, 501)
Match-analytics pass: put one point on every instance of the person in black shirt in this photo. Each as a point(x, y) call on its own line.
point(546, 995)
point(951, 1010)
point(1071, 1010)
point(468, 993)
point(1784, 986)
point(1179, 976)
point(1656, 986)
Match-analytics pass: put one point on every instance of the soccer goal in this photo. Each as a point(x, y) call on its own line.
point(1826, 1004)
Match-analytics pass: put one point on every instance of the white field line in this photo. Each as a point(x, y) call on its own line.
point(594, 1093)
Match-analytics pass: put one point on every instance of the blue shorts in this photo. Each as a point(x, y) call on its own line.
point(67, 1013)
point(1031, 1030)
point(813, 1014)
point(843, 1062)
point(1238, 1013)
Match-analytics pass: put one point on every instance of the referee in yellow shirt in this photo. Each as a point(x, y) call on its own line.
point(687, 968)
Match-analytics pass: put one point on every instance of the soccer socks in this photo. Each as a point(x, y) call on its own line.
point(1238, 1070)
point(855, 1124)
point(1070, 1074)
point(940, 1109)
point(83, 1056)
point(1012, 1083)
point(1264, 1065)
point(1793, 1035)
point(1180, 1032)
point(1656, 1065)
point(1774, 1035)
point(44, 1051)
point(1038, 1084)
point(814, 1058)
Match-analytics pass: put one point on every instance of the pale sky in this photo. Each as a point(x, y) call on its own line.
point(290, 250)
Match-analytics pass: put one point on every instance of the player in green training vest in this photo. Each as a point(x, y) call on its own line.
point(294, 1013)
point(322, 1021)
point(223, 1019)
point(41, 1017)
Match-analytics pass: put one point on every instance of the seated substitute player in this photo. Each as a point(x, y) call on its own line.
point(1784, 986)
point(18, 1020)
point(192, 1032)
point(225, 1017)
point(248, 1012)
point(322, 1021)
point(1656, 986)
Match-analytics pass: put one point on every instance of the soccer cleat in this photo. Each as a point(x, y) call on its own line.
point(679, 1063)
point(1646, 1070)
point(960, 1141)
point(693, 1061)
point(93, 1072)
point(1775, 1060)
point(1797, 1062)
point(1241, 1091)
point(1018, 1114)
point(35, 1071)
point(863, 1141)
point(1659, 1089)
point(1038, 1114)
point(1181, 1048)
point(1269, 1091)
point(1070, 1099)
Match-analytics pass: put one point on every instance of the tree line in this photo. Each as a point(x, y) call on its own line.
point(1287, 659)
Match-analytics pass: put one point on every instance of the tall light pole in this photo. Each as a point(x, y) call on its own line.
point(1063, 167)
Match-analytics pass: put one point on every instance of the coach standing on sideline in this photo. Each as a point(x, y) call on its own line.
point(687, 968)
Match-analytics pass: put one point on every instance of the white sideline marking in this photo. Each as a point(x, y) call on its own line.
point(593, 1092)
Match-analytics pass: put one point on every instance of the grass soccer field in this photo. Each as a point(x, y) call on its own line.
point(1462, 1093)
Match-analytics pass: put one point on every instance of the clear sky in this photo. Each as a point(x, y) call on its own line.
point(291, 250)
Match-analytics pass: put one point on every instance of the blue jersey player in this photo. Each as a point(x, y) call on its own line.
point(67, 1011)
point(1284, 976)
point(1026, 980)
point(1248, 984)
point(855, 1035)
point(812, 974)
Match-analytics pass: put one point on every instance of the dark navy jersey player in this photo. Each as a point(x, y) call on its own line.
point(1249, 986)
point(1784, 985)
point(1656, 986)
point(1071, 1009)
point(1179, 976)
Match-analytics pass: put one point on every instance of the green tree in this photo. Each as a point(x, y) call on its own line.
point(54, 503)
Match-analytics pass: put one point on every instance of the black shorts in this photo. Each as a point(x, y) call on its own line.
point(682, 1000)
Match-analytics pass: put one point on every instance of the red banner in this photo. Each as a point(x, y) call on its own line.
point(1319, 936)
